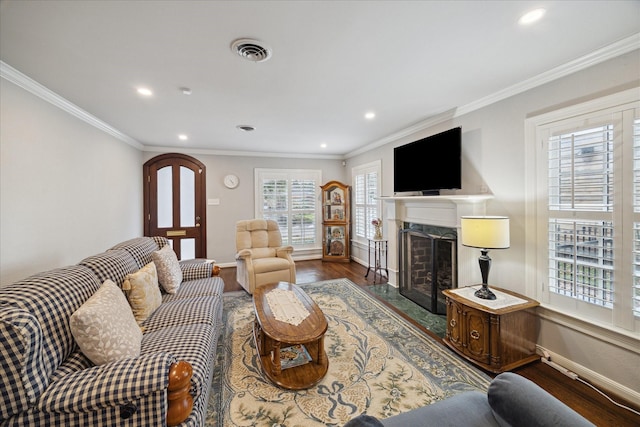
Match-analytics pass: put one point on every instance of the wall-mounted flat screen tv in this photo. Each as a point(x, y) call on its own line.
point(430, 164)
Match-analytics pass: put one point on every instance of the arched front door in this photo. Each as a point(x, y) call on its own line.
point(174, 203)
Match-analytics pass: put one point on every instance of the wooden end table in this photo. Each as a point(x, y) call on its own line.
point(270, 334)
point(497, 340)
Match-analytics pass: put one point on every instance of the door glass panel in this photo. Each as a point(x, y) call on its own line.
point(165, 198)
point(187, 198)
point(187, 249)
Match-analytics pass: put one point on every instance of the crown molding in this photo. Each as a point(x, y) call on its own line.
point(413, 129)
point(611, 51)
point(212, 152)
point(14, 76)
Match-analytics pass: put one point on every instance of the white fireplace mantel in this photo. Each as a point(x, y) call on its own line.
point(442, 211)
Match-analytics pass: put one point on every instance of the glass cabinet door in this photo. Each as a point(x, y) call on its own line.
point(335, 238)
point(334, 204)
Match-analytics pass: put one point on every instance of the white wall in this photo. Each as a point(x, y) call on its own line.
point(67, 189)
point(494, 155)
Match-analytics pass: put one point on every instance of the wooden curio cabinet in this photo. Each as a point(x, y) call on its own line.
point(497, 340)
point(336, 224)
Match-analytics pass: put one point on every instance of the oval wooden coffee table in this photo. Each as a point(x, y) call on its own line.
point(271, 335)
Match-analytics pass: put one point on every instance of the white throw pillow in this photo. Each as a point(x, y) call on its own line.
point(169, 272)
point(143, 292)
point(104, 327)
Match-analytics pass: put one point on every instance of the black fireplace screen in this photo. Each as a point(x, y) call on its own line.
point(428, 265)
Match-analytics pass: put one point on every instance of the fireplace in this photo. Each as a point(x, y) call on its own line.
point(438, 211)
point(428, 264)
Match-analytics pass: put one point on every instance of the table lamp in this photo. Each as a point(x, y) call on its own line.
point(485, 232)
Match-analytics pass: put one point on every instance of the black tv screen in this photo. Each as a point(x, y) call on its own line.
point(430, 164)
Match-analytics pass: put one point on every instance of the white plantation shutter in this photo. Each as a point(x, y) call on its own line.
point(581, 179)
point(591, 173)
point(275, 202)
point(636, 269)
point(372, 188)
point(359, 215)
point(581, 260)
point(581, 170)
point(636, 223)
point(303, 219)
point(289, 197)
point(366, 188)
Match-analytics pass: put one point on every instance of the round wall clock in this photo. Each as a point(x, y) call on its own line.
point(231, 181)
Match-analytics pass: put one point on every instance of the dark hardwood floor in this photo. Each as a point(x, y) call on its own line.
point(582, 398)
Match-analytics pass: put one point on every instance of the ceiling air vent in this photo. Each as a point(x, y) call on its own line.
point(251, 50)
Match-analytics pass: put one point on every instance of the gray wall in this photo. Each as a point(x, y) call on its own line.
point(68, 190)
point(494, 156)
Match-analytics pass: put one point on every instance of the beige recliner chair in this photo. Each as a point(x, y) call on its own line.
point(261, 258)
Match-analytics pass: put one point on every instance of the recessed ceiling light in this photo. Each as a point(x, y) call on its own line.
point(183, 137)
point(532, 16)
point(370, 115)
point(185, 90)
point(246, 128)
point(323, 145)
point(145, 91)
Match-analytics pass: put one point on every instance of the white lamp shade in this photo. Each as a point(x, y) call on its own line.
point(485, 232)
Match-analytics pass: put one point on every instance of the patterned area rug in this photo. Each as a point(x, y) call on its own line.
point(379, 364)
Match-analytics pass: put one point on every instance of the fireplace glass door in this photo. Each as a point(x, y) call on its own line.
point(428, 265)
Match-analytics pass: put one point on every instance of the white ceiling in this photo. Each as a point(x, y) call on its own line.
point(332, 61)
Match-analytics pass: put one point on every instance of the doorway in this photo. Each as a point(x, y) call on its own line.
point(174, 203)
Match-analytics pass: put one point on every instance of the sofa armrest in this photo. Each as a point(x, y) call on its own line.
point(469, 409)
point(179, 401)
point(113, 384)
point(194, 270)
point(517, 401)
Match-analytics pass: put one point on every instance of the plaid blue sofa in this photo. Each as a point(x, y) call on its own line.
point(45, 380)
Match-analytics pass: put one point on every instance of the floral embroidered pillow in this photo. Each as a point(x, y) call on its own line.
point(143, 292)
point(169, 272)
point(104, 327)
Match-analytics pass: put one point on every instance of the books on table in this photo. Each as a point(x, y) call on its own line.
point(293, 356)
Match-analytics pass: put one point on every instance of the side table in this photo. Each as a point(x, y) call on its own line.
point(379, 247)
point(496, 339)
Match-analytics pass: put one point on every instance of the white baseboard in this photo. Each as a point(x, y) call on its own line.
point(359, 261)
point(603, 383)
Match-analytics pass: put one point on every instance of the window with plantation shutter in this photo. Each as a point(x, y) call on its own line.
point(366, 188)
point(290, 197)
point(588, 212)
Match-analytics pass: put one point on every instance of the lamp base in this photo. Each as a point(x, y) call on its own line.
point(484, 292)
